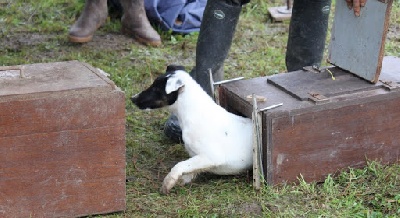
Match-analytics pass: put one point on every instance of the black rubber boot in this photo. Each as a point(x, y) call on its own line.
point(172, 129)
point(307, 33)
point(215, 38)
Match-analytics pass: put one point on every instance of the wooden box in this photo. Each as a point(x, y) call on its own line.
point(324, 125)
point(62, 141)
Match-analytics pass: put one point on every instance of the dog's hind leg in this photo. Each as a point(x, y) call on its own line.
point(187, 169)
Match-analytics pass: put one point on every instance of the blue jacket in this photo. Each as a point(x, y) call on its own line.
point(182, 16)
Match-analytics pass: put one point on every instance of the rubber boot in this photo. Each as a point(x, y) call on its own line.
point(307, 33)
point(215, 39)
point(93, 16)
point(136, 24)
point(214, 42)
point(172, 129)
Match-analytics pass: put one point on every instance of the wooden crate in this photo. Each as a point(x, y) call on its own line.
point(324, 125)
point(62, 141)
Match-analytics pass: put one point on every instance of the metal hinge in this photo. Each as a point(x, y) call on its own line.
point(318, 98)
point(389, 84)
point(312, 69)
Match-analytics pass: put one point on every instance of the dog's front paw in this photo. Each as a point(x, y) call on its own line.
point(187, 178)
point(168, 183)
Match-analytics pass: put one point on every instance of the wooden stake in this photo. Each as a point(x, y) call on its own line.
point(257, 143)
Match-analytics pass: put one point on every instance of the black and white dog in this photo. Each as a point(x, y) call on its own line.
point(216, 140)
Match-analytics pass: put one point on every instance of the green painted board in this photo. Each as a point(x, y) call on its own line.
point(357, 43)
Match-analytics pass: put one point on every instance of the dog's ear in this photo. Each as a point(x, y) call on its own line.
point(173, 84)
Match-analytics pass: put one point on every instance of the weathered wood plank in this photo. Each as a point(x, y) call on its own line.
point(357, 43)
point(62, 174)
point(321, 142)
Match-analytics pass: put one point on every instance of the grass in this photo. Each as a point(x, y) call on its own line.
point(36, 31)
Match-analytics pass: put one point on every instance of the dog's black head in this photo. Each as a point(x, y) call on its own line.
point(156, 95)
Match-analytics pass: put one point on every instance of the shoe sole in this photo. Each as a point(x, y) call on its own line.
point(140, 39)
point(80, 39)
point(83, 39)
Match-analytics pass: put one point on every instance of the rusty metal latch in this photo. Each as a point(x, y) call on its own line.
point(389, 85)
point(318, 98)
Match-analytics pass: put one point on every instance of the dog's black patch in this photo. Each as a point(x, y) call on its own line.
point(173, 68)
point(155, 96)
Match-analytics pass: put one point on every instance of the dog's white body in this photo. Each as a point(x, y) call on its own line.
point(217, 141)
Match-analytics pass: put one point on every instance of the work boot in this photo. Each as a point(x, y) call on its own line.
point(136, 24)
point(93, 16)
point(213, 44)
point(307, 33)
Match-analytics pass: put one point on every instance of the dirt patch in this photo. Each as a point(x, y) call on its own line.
point(251, 209)
point(104, 41)
point(44, 47)
point(15, 42)
point(109, 41)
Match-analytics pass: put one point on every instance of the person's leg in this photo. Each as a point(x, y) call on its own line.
point(136, 24)
point(307, 33)
point(215, 38)
point(93, 16)
point(213, 44)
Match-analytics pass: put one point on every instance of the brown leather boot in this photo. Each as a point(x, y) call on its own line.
point(93, 16)
point(135, 23)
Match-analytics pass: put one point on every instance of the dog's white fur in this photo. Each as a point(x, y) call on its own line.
point(216, 140)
